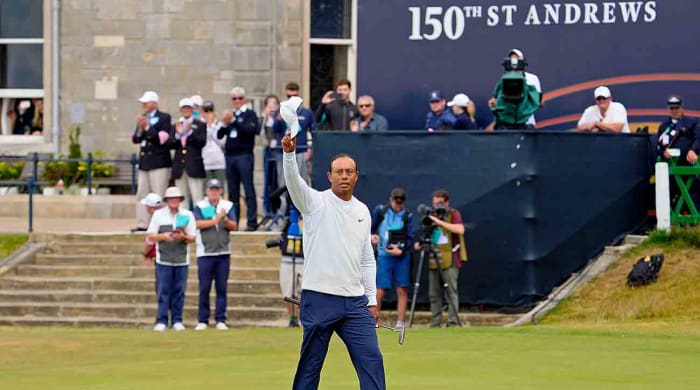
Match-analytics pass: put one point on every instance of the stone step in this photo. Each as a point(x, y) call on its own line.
point(143, 322)
point(134, 259)
point(52, 309)
point(136, 271)
point(242, 248)
point(132, 297)
point(236, 237)
point(131, 284)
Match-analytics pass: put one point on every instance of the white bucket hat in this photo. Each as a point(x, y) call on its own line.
point(173, 192)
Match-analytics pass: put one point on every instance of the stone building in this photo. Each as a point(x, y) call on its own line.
point(105, 53)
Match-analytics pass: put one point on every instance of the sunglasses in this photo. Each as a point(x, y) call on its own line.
point(364, 105)
point(674, 107)
point(237, 98)
point(399, 199)
point(600, 98)
point(208, 110)
point(434, 101)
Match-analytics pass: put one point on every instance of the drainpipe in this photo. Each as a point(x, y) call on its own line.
point(55, 84)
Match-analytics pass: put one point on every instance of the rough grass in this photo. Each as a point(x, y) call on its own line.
point(671, 304)
point(261, 359)
point(10, 243)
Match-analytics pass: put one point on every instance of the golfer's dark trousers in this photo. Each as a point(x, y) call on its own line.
point(321, 315)
point(214, 268)
point(172, 281)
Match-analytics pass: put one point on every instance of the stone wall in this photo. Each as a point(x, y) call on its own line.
point(113, 50)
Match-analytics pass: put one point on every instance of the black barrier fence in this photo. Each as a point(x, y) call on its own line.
point(536, 205)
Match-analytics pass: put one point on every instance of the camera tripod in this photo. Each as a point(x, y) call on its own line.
point(427, 250)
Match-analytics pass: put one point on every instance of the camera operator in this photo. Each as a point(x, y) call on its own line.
point(448, 237)
point(392, 232)
point(517, 95)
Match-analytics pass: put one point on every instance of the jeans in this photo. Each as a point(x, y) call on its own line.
point(239, 169)
point(213, 268)
point(172, 281)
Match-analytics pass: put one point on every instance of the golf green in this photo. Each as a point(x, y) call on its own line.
point(495, 358)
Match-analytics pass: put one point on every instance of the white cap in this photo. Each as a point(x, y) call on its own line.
point(601, 92)
point(517, 53)
point(152, 200)
point(185, 102)
point(460, 100)
point(149, 96)
point(173, 192)
point(197, 100)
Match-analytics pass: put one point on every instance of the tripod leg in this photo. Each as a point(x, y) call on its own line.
point(446, 292)
point(416, 286)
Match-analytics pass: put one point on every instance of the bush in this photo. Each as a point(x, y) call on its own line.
point(10, 171)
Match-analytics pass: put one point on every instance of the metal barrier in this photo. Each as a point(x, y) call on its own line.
point(670, 174)
point(32, 182)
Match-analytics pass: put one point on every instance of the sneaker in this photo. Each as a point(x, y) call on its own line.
point(178, 327)
point(201, 326)
point(293, 323)
point(160, 328)
point(221, 326)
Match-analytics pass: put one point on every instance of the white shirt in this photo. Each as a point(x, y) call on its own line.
point(616, 114)
point(164, 221)
point(532, 79)
point(213, 152)
point(338, 255)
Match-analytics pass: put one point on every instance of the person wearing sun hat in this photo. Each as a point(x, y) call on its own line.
point(172, 229)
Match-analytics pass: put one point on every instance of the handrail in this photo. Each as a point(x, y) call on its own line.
point(685, 211)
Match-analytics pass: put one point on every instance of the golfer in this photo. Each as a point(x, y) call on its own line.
point(338, 291)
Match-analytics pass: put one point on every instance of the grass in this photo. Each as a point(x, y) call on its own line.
point(670, 305)
point(495, 358)
point(10, 243)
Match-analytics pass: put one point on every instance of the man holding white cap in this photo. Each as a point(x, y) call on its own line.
point(189, 136)
point(464, 110)
point(152, 134)
point(605, 115)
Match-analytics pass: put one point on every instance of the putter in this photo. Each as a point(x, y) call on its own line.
point(401, 331)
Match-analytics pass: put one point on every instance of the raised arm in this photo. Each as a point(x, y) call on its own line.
point(305, 198)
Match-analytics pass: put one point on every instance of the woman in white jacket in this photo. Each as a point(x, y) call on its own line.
point(213, 153)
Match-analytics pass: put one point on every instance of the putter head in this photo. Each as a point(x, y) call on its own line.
point(288, 111)
point(402, 335)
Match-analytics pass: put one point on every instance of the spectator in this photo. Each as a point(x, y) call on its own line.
point(451, 247)
point(37, 125)
point(392, 233)
point(188, 138)
point(336, 109)
point(172, 229)
point(22, 114)
point(605, 116)
point(464, 117)
point(152, 202)
point(530, 79)
point(197, 102)
point(152, 134)
point(438, 118)
point(268, 117)
point(213, 152)
point(368, 120)
point(215, 220)
point(680, 132)
point(240, 127)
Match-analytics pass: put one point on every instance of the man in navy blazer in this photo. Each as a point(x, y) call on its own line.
point(188, 137)
point(152, 134)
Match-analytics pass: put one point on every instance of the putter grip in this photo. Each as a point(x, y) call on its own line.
point(292, 300)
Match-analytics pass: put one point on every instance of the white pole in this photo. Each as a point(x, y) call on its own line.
point(663, 198)
point(55, 116)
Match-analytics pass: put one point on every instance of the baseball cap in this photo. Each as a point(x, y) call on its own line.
point(517, 52)
point(398, 193)
point(674, 100)
point(208, 106)
point(186, 102)
point(601, 92)
point(435, 96)
point(460, 100)
point(149, 96)
point(197, 100)
point(214, 183)
point(152, 200)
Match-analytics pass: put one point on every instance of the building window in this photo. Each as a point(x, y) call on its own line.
point(332, 46)
point(21, 66)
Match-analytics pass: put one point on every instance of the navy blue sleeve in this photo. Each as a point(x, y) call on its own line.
point(197, 213)
point(409, 231)
point(375, 218)
point(693, 126)
point(232, 214)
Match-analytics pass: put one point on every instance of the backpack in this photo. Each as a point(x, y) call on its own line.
point(645, 270)
point(380, 218)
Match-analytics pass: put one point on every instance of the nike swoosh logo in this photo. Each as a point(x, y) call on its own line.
point(360, 220)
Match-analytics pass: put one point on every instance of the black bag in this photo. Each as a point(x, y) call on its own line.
point(645, 270)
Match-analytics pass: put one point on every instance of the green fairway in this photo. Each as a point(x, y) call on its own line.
point(526, 358)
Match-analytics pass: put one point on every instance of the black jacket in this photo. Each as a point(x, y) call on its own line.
point(189, 158)
point(153, 154)
point(241, 133)
point(337, 115)
point(686, 133)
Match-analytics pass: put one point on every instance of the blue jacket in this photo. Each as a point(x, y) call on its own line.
point(392, 220)
point(688, 138)
point(241, 133)
point(464, 122)
point(307, 123)
point(444, 121)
